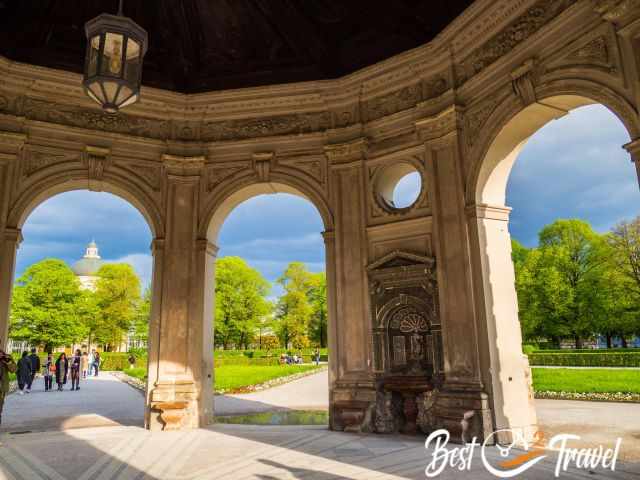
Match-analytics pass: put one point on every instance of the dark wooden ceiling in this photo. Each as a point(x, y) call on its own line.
point(202, 45)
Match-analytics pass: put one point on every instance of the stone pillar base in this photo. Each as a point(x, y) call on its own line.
point(465, 414)
point(352, 408)
point(175, 405)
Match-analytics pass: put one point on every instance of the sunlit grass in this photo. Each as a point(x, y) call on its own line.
point(238, 377)
point(586, 380)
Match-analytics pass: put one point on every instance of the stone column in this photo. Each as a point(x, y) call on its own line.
point(353, 394)
point(332, 326)
point(463, 392)
point(181, 393)
point(9, 243)
point(505, 368)
point(10, 237)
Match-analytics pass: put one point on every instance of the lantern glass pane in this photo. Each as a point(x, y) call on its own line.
point(93, 97)
point(132, 99)
point(94, 52)
point(111, 89)
point(112, 55)
point(125, 93)
point(96, 89)
point(132, 67)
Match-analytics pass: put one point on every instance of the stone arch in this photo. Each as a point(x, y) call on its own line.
point(52, 185)
point(505, 370)
point(511, 125)
point(237, 192)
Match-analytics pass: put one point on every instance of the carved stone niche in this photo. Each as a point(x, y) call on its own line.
point(407, 341)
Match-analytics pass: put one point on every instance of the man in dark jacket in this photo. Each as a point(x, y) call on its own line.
point(35, 367)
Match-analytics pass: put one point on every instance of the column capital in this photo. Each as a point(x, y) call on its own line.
point(183, 166)
point(13, 235)
point(440, 130)
point(329, 236)
point(210, 248)
point(633, 147)
point(489, 212)
point(157, 245)
point(347, 153)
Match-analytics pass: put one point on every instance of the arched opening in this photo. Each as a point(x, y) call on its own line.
point(82, 283)
point(561, 182)
point(271, 261)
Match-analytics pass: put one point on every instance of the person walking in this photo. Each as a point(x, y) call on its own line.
point(48, 371)
point(92, 357)
point(62, 367)
point(96, 364)
point(132, 360)
point(35, 367)
point(23, 373)
point(75, 371)
point(316, 356)
point(84, 365)
point(7, 365)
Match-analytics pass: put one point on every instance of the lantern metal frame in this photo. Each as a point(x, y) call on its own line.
point(128, 29)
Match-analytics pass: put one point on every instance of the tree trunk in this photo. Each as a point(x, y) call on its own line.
point(609, 340)
point(624, 341)
point(578, 342)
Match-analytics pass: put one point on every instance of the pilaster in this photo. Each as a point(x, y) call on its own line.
point(505, 369)
point(633, 148)
point(463, 390)
point(353, 391)
point(9, 242)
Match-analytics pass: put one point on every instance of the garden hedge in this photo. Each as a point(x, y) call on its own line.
point(591, 358)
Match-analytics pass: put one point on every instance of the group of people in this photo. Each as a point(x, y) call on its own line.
point(79, 365)
point(295, 359)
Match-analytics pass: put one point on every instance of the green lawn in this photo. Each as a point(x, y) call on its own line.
point(235, 377)
point(586, 380)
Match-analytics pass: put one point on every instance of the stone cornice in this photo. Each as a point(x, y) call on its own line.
point(486, 31)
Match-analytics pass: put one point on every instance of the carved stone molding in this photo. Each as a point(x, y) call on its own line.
point(633, 148)
point(263, 164)
point(216, 173)
point(614, 10)
point(96, 160)
point(344, 153)
point(13, 141)
point(183, 166)
point(441, 125)
point(37, 158)
point(523, 82)
point(518, 31)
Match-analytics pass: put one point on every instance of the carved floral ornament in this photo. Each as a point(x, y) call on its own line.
point(614, 10)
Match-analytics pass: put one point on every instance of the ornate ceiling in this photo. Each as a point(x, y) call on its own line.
point(203, 45)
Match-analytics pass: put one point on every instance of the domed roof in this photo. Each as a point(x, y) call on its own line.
point(87, 267)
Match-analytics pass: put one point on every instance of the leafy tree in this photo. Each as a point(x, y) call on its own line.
point(559, 283)
point(318, 299)
point(270, 342)
point(294, 309)
point(142, 317)
point(117, 297)
point(624, 280)
point(241, 303)
point(46, 306)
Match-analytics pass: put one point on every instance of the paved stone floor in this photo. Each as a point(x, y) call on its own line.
point(101, 401)
point(239, 452)
point(109, 448)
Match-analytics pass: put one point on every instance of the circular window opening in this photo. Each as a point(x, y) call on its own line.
point(400, 186)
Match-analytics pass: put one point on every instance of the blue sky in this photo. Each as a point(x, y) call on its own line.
point(573, 167)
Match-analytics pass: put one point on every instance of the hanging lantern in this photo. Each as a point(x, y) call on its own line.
point(116, 46)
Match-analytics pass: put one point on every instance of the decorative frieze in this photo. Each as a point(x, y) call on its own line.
point(518, 31)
